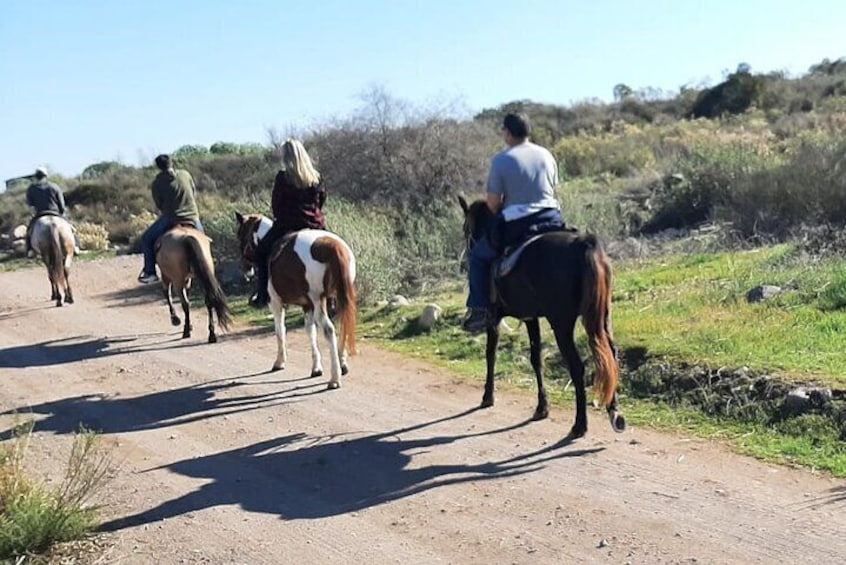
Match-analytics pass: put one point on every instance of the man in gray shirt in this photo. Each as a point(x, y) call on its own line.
point(45, 198)
point(521, 192)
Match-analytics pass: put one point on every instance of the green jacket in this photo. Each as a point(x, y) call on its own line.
point(173, 193)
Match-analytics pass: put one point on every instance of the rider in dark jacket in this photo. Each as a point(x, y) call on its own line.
point(47, 199)
point(297, 203)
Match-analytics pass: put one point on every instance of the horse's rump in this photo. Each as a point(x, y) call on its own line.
point(184, 253)
point(317, 262)
point(52, 237)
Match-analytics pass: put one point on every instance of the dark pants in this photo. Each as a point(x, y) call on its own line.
point(263, 251)
point(151, 235)
point(502, 236)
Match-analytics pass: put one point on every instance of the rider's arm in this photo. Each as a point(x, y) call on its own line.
point(60, 201)
point(157, 196)
point(494, 202)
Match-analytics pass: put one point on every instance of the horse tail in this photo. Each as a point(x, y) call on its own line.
point(596, 313)
point(341, 270)
point(55, 258)
point(202, 266)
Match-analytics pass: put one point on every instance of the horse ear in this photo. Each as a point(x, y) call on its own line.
point(240, 217)
point(463, 204)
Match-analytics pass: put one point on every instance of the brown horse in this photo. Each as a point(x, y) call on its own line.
point(560, 276)
point(184, 253)
point(308, 268)
point(52, 238)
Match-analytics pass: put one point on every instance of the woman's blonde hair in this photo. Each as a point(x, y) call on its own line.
point(297, 164)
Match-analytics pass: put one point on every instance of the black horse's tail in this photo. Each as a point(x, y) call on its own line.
point(203, 267)
point(596, 315)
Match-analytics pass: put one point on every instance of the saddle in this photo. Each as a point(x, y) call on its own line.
point(505, 263)
point(182, 224)
point(173, 225)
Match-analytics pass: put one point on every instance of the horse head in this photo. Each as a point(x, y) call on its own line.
point(477, 221)
point(248, 239)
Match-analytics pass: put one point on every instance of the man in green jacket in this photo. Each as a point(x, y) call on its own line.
point(173, 193)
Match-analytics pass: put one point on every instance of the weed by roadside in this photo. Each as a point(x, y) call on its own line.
point(34, 517)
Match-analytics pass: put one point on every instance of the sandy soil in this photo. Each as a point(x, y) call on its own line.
point(223, 462)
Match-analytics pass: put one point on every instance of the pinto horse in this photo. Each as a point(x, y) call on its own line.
point(184, 253)
point(560, 276)
point(52, 237)
point(308, 268)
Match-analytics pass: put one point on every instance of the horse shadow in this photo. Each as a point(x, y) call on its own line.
point(161, 409)
point(835, 495)
point(299, 476)
point(141, 294)
point(78, 348)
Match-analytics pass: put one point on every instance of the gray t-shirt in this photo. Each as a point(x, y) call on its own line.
point(525, 175)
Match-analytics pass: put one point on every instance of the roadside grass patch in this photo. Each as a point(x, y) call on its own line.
point(34, 517)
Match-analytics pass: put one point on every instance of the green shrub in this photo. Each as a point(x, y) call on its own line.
point(32, 516)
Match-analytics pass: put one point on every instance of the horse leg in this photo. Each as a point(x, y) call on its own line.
point(68, 291)
point(54, 291)
point(183, 299)
point(533, 329)
point(563, 330)
point(166, 288)
point(332, 338)
point(311, 329)
point(490, 359)
point(279, 325)
point(618, 421)
point(210, 309)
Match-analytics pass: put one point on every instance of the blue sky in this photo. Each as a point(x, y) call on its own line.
point(83, 81)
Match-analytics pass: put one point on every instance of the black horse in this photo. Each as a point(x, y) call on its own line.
point(560, 276)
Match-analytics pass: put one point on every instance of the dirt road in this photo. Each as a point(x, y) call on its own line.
point(223, 462)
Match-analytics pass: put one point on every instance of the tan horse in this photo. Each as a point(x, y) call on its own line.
point(52, 238)
point(184, 253)
point(308, 268)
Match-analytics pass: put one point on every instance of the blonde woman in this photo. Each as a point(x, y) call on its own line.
point(297, 204)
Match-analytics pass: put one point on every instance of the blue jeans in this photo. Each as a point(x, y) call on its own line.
point(479, 274)
point(151, 235)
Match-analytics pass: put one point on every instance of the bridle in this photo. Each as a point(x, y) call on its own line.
point(248, 247)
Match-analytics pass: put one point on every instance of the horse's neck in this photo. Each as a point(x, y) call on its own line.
point(263, 228)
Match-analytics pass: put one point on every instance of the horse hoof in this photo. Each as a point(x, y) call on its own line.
point(277, 368)
point(316, 373)
point(344, 370)
point(212, 338)
point(186, 335)
point(175, 321)
point(69, 300)
point(540, 414)
point(487, 402)
point(618, 422)
point(576, 433)
point(59, 304)
point(333, 385)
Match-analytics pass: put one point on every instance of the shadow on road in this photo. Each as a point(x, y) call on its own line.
point(305, 477)
point(78, 348)
point(162, 409)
